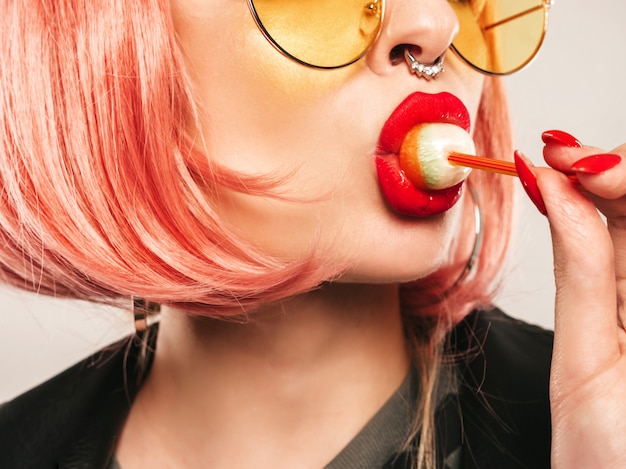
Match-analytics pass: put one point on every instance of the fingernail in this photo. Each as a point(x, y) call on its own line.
point(559, 137)
point(596, 164)
point(529, 181)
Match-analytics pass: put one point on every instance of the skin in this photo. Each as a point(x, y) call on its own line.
point(312, 370)
point(588, 381)
point(326, 158)
point(287, 363)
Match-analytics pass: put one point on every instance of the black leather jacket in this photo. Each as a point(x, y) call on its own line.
point(73, 420)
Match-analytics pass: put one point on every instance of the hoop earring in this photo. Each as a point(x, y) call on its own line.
point(145, 313)
point(478, 243)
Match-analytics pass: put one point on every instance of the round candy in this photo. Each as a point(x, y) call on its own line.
point(424, 155)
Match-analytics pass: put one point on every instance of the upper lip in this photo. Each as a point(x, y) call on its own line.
point(420, 108)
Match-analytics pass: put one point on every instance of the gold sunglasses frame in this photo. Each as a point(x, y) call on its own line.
point(280, 49)
point(545, 5)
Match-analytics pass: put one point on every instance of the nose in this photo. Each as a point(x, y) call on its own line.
point(426, 27)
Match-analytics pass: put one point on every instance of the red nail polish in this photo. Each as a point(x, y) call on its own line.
point(529, 181)
point(596, 164)
point(559, 137)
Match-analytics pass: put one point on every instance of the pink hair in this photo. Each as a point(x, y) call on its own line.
point(104, 195)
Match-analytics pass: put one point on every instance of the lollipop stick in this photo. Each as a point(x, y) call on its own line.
point(480, 162)
point(491, 165)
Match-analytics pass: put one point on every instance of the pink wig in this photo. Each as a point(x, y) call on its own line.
point(103, 194)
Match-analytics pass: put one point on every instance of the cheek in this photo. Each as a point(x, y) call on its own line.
point(473, 83)
point(465, 81)
point(280, 77)
point(260, 106)
point(231, 61)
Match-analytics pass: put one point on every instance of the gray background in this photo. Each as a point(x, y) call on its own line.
point(576, 84)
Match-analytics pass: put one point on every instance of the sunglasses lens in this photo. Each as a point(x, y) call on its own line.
point(321, 33)
point(499, 36)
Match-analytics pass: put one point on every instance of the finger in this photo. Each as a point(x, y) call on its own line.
point(562, 157)
point(610, 182)
point(599, 173)
point(617, 231)
point(585, 322)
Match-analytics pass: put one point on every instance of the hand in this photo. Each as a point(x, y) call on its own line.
point(588, 377)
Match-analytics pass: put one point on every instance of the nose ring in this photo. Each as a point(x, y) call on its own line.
point(422, 70)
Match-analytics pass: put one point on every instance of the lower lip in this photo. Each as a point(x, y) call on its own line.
point(400, 193)
point(408, 200)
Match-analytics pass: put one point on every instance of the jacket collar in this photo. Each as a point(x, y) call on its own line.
point(74, 420)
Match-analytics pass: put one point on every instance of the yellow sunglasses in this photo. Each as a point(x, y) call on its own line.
point(496, 37)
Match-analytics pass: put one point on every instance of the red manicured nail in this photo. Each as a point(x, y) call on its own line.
point(559, 137)
point(529, 181)
point(596, 164)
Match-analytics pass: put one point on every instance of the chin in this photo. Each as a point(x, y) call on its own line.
point(400, 265)
point(395, 249)
point(385, 274)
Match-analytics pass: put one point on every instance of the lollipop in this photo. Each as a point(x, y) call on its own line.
point(424, 155)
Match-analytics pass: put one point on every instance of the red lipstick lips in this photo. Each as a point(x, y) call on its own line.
point(400, 193)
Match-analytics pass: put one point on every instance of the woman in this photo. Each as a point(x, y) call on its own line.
point(315, 309)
